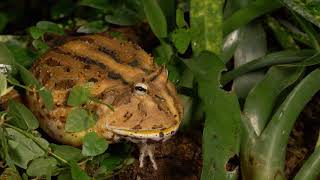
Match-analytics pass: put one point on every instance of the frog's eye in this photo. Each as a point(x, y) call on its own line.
point(140, 88)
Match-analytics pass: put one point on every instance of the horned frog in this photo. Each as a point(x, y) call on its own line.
point(145, 102)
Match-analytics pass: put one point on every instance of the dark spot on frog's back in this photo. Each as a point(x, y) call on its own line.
point(134, 63)
point(64, 84)
point(83, 59)
point(52, 62)
point(114, 76)
point(67, 69)
point(110, 53)
point(87, 67)
point(94, 80)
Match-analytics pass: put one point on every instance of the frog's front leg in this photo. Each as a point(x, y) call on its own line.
point(147, 150)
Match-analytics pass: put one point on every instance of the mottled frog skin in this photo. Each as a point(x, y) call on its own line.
point(146, 105)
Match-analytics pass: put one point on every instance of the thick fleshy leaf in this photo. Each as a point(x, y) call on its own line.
point(281, 57)
point(244, 15)
point(284, 38)
point(221, 135)
point(261, 100)
point(252, 45)
point(308, 9)
point(230, 44)
point(273, 140)
point(206, 25)
point(310, 168)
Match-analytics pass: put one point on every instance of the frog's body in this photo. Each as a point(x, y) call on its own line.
point(146, 106)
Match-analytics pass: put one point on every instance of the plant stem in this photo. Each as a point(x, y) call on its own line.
point(100, 102)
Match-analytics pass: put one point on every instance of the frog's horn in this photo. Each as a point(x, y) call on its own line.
point(160, 76)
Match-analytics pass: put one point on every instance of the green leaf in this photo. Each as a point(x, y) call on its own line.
point(112, 162)
point(27, 77)
point(206, 25)
point(36, 32)
point(21, 116)
point(3, 21)
point(181, 39)
point(7, 59)
point(123, 16)
point(23, 149)
point(29, 80)
point(310, 168)
point(22, 55)
point(79, 95)
point(3, 85)
point(97, 4)
point(262, 99)
point(313, 60)
point(42, 166)
point(230, 44)
point(78, 120)
point(252, 45)
point(180, 18)
point(244, 15)
point(273, 140)
point(40, 45)
point(62, 8)
point(168, 8)
point(163, 54)
point(93, 27)
point(68, 153)
point(282, 35)
point(281, 57)
point(10, 174)
point(310, 31)
point(51, 27)
point(221, 135)
point(156, 18)
point(93, 144)
point(65, 175)
point(47, 98)
point(77, 173)
point(308, 11)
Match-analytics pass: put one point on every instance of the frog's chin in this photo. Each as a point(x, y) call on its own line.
point(144, 136)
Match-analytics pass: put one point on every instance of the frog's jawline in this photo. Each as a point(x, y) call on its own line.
point(136, 137)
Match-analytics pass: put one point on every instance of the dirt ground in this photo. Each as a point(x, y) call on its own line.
point(178, 158)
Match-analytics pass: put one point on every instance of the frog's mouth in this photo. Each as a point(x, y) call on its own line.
point(145, 135)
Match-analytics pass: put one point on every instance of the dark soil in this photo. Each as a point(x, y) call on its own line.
point(178, 158)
